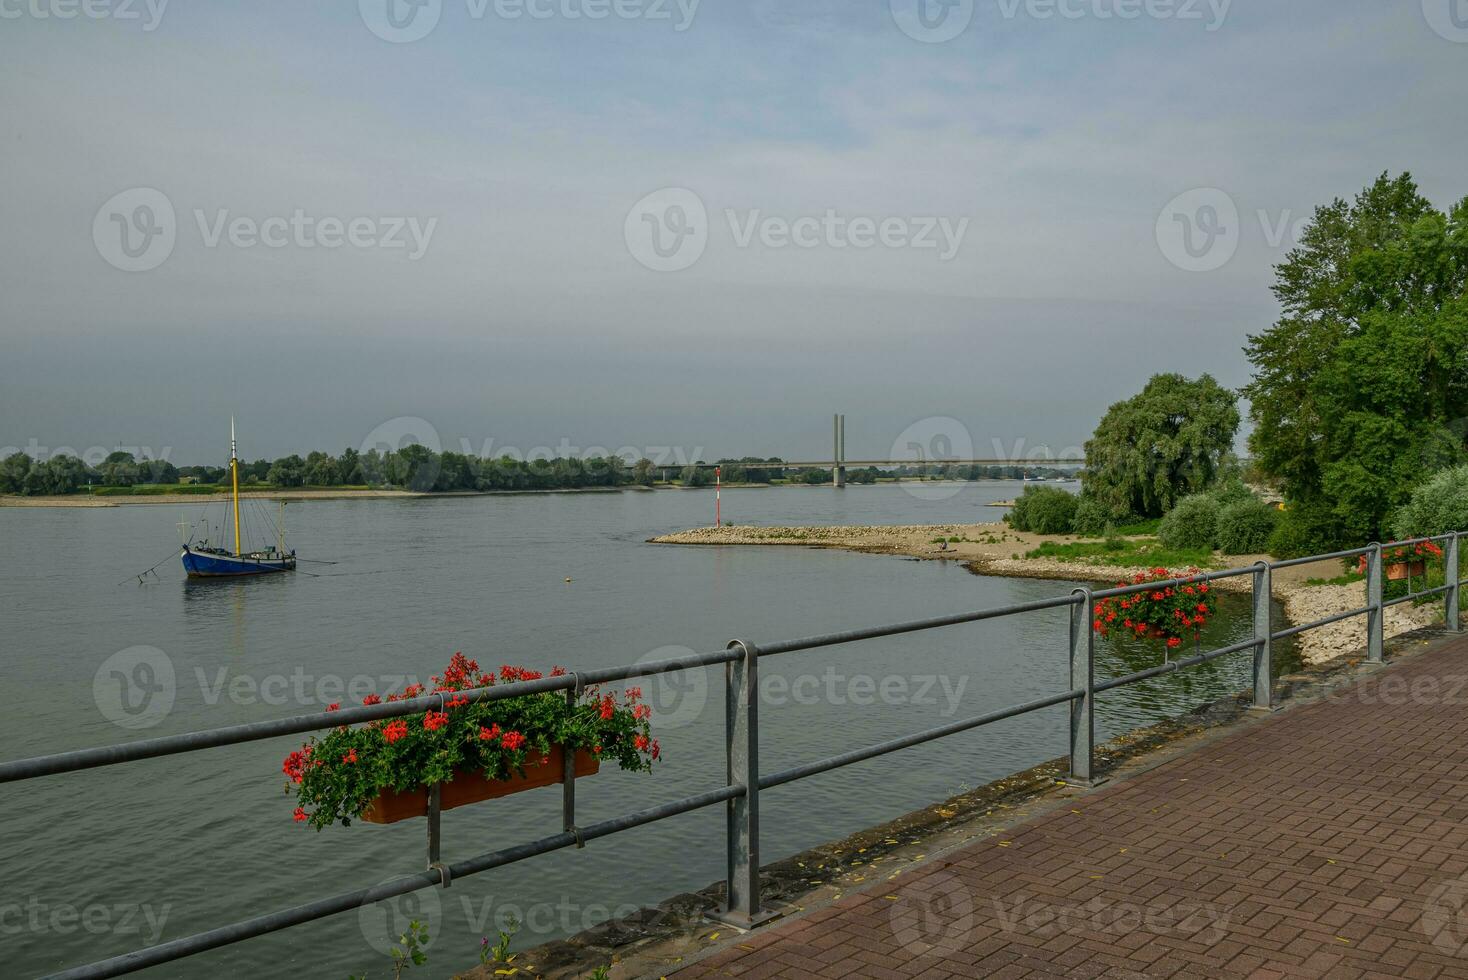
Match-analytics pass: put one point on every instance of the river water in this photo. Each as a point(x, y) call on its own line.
point(101, 862)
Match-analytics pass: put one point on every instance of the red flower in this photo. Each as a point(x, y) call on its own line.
point(608, 707)
point(656, 750)
point(350, 756)
point(641, 742)
point(334, 707)
point(1174, 642)
point(488, 734)
point(641, 711)
point(435, 720)
point(395, 730)
point(512, 740)
point(372, 699)
point(299, 815)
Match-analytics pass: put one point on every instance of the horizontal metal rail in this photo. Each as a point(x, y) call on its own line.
point(907, 741)
point(743, 781)
point(853, 636)
point(345, 902)
point(1172, 665)
point(1440, 590)
point(149, 748)
point(1302, 627)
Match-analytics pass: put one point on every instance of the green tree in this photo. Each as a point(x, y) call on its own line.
point(1361, 386)
point(1172, 439)
point(13, 472)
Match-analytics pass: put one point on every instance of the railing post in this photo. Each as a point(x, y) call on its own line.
point(741, 742)
point(1263, 638)
point(1375, 614)
point(1082, 678)
point(1450, 566)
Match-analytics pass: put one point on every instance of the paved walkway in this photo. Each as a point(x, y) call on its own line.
point(1330, 840)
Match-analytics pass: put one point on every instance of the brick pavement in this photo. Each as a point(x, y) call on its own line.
point(1328, 840)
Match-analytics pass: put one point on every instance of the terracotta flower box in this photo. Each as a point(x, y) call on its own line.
point(1396, 571)
point(472, 787)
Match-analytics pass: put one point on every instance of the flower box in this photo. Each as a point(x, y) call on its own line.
point(351, 771)
point(1396, 571)
point(472, 787)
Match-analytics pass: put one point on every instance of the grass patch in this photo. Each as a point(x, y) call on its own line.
point(1123, 553)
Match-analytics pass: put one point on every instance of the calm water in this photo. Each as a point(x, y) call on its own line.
point(97, 863)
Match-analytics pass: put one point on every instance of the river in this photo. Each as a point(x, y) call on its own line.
point(101, 862)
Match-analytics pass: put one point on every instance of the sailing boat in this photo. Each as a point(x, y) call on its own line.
point(206, 561)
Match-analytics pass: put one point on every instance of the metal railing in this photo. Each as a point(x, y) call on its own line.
point(744, 781)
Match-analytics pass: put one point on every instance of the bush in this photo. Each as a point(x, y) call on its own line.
point(1044, 510)
point(1299, 532)
point(1193, 523)
point(1091, 517)
point(1437, 507)
point(1231, 492)
point(1244, 527)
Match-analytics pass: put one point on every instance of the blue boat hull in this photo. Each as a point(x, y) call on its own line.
point(211, 565)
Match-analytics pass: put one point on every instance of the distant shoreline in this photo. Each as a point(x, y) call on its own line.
point(297, 495)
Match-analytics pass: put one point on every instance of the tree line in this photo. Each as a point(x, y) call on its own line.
point(418, 468)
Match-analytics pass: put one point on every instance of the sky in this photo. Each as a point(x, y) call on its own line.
point(694, 228)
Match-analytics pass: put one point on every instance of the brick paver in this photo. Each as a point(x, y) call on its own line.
point(1328, 840)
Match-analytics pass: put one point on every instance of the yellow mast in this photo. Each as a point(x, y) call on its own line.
point(234, 474)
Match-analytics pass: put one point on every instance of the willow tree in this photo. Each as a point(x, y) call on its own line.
point(1172, 439)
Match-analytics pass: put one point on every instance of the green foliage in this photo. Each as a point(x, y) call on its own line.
point(1193, 523)
point(1438, 506)
point(1245, 527)
point(410, 950)
point(1172, 439)
point(1359, 388)
point(1131, 554)
point(500, 951)
point(1091, 517)
point(1043, 510)
point(339, 774)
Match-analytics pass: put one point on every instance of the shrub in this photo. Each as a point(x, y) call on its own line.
point(1245, 526)
point(1230, 492)
point(1091, 517)
point(1044, 510)
point(1438, 506)
point(1193, 523)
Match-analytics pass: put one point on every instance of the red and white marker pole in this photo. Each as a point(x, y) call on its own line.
point(718, 493)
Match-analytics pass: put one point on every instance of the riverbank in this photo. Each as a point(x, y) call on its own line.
point(997, 549)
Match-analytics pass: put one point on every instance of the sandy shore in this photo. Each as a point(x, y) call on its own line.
point(996, 549)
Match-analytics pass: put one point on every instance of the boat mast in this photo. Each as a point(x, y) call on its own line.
point(234, 475)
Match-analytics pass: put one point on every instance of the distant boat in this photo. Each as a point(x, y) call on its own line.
point(211, 561)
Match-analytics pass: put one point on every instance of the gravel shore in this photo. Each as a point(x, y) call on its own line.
point(996, 549)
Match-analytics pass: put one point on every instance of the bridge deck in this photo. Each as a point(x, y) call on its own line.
point(1328, 840)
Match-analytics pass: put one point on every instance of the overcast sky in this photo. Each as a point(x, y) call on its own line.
point(698, 226)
